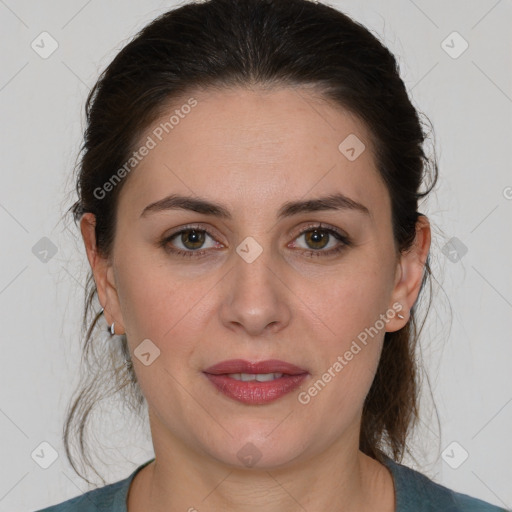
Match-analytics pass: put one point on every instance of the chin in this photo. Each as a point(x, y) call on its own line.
point(259, 450)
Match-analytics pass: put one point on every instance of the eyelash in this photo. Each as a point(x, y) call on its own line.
point(345, 241)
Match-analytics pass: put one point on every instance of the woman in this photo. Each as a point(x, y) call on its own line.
point(248, 197)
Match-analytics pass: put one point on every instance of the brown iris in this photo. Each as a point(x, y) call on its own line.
point(195, 237)
point(317, 237)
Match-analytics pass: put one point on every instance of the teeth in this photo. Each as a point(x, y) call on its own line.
point(260, 377)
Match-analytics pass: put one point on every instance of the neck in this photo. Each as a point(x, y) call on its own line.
point(340, 478)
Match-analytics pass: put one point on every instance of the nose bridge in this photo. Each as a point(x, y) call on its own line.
point(254, 260)
point(255, 297)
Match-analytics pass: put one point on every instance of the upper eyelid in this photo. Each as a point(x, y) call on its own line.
point(309, 227)
point(210, 232)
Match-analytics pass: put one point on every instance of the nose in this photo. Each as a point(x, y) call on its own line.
point(255, 300)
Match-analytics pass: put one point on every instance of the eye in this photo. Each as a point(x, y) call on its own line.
point(191, 239)
point(319, 237)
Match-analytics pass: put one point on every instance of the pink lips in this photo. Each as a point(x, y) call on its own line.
point(255, 392)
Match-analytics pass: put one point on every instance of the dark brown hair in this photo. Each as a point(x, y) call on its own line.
point(241, 43)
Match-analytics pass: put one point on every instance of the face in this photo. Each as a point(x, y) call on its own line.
point(257, 283)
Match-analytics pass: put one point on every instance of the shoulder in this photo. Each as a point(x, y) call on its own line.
point(110, 498)
point(415, 491)
point(104, 498)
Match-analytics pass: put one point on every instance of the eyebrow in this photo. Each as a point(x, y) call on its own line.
point(336, 201)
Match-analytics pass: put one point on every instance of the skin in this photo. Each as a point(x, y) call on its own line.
point(252, 150)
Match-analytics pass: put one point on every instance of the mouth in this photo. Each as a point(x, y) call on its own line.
point(260, 377)
point(255, 383)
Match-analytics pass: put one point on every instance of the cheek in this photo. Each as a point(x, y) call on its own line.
point(151, 297)
point(164, 306)
point(350, 333)
point(348, 361)
point(351, 301)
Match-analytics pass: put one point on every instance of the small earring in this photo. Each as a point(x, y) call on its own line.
point(112, 330)
point(398, 315)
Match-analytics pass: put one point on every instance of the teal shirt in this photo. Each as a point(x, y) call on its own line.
point(414, 493)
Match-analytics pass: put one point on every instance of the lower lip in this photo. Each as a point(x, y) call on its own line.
point(254, 392)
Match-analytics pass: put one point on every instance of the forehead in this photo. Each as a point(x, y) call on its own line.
point(255, 147)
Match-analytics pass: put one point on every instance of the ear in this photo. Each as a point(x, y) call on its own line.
point(409, 274)
point(103, 274)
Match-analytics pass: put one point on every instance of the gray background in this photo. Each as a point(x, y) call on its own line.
point(467, 362)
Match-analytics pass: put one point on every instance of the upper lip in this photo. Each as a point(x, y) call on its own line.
point(242, 366)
